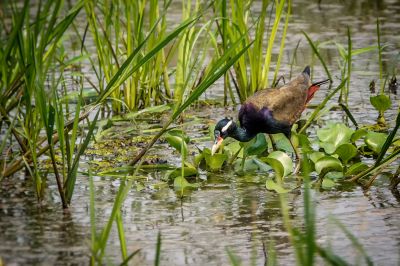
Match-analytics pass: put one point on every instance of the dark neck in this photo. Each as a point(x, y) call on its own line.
point(242, 135)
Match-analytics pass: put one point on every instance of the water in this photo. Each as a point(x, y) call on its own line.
point(228, 212)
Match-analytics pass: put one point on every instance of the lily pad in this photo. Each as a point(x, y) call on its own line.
point(358, 134)
point(333, 136)
point(188, 171)
point(346, 152)
point(280, 162)
point(179, 141)
point(356, 168)
point(272, 185)
point(181, 183)
point(214, 162)
point(249, 165)
point(315, 156)
point(304, 143)
point(233, 148)
point(375, 141)
point(258, 147)
point(328, 183)
point(261, 165)
point(198, 159)
point(381, 102)
point(282, 142)
point(328, 164)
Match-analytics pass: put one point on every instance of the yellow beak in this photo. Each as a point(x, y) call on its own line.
point(216, 145)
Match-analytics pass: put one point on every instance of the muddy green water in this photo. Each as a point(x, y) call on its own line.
point(228, 212)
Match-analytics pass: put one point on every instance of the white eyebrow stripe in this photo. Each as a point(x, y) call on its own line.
point(225, 128)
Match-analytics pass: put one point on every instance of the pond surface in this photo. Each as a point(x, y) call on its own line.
point(228, 212)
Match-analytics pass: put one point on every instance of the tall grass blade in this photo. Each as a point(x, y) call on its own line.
point(349, 68)
point(92, 213)
point(282, 47)
point(127, 70)
point(354, 241)
point(278, 12)
point(71, 179)
point(121, 235)
point(126, 261)
point(235, 260)
point(309, 217)
point(215, 73)
point(380, 48)
point(331, 258)
point(317, 53)
point(389, 140)
point(158, 250)
point(218, 68)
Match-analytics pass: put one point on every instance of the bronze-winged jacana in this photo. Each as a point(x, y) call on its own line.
point(270, 111)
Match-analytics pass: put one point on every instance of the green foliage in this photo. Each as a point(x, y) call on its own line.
point(333, 136)
point(346, 152)
point(280, 162)
point(274, 186)
point(178, 140)
point(327, 164)
point(381, 102)
point(256, 146)
point(375, 141)
point(32, 83)
point(99, 240)
point(251, 70)
point(214, 162)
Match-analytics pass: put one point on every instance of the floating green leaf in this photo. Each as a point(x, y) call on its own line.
point(282, 142)
point(328, 183)
point(346, 152)
point(181, 183)
point(176, 139)
point(356, 168)
point(358, 134)
point(328, 164)
point(248, 165)
point(258, 147)
point(261, 165)
point(233, 148)
point(188, 171)
point(304, 143)
point(333, 136)
point(315, 156)
point(272, 185)
point(280, 162)
point(381, 102)
point(375, 141)
point(214, 162)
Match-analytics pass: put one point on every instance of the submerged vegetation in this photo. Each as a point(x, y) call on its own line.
point(63, 88)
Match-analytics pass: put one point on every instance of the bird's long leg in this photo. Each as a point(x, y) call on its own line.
point(272, 142)
point(296, 153)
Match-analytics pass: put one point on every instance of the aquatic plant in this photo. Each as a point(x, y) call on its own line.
point(120, 32)
point(32, 67)
point(99, 240)
point(251, 72)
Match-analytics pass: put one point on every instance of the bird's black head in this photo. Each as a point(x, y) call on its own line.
point(223, 129)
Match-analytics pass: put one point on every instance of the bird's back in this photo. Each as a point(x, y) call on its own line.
point(284, 104)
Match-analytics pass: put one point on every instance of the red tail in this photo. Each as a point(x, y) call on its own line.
point(313, 88)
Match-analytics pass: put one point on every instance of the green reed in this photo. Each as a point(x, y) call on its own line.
point(118, 28)
point(304, 240)
point(30, 50)
point(251, 71)
point(99, 240)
